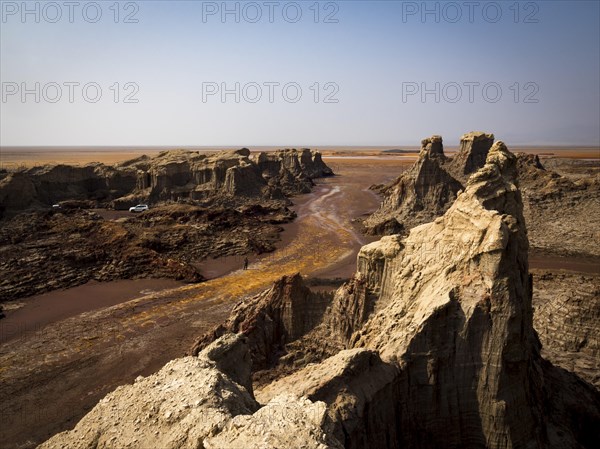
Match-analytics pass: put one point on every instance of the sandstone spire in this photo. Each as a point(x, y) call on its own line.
point(430, 186)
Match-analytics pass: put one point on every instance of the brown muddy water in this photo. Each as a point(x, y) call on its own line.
point(556, 263)
point(33, 313)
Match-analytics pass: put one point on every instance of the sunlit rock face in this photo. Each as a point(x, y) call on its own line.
point(171, 175)
point(431, 344)
point(559, 211)
point(284, 313)
point(458, 318)
point(181, 174)
point(448, 356)
point(199, 402)
point(429, 187)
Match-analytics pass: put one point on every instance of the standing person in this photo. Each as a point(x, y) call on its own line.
point(245, 263)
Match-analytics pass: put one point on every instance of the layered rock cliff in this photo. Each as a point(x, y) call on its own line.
point(559, 211)
point(430, 186)
point(289, 326)
point(451, 359)
point(462, 332)
point(47, 185)
point(171, 175)
point(184, 174)
point(436, 349)
point(272, 319)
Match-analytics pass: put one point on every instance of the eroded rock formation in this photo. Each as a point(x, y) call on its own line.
point(184, 174)
point(459, 360)
point(427, 189)
point(199, 402)
point(270, 320)
point(435, 348)
point(567, 320)
point(171, 175)
point(233, 201)
point(289, 326)
point(561, 213)
point(50, 184)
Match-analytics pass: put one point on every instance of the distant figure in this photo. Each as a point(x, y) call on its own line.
point(245, 263)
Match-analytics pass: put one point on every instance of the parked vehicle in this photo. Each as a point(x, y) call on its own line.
point(139, 208)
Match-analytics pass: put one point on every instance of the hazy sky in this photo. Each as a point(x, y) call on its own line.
point(341, 73)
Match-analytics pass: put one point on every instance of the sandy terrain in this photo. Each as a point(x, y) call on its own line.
point(12, 158)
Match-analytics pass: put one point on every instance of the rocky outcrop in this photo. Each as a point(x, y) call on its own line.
point(463, 334)
point(284, 422)
point(472, 154)
point(430, 186)
point(289, 326)
point(43, 251)
point(17, 191)
point(567, 320)
point(442, 330)
point(187, 401)
point(171, 175)
point(228, 203)
point(270, 320)
point(199, 402)
point(437, 347)
point(291, 168)
point(560, 212)
point(459, 362)
point(351, 306)
point(47, 185)
point(558, 209)
point(361, 392)
point(49, 250)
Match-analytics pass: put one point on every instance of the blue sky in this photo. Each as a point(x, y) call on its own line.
point(532, 69)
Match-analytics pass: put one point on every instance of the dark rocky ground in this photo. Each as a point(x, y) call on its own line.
point(43, 251)
point(222, 204)
point(566, 317)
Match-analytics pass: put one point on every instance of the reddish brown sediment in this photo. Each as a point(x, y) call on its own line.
point(14, 157)
point(34, 313)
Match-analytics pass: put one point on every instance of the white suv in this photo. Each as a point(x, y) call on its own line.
point(139, 208)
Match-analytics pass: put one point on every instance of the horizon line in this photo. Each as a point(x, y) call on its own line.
point(175, 146)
